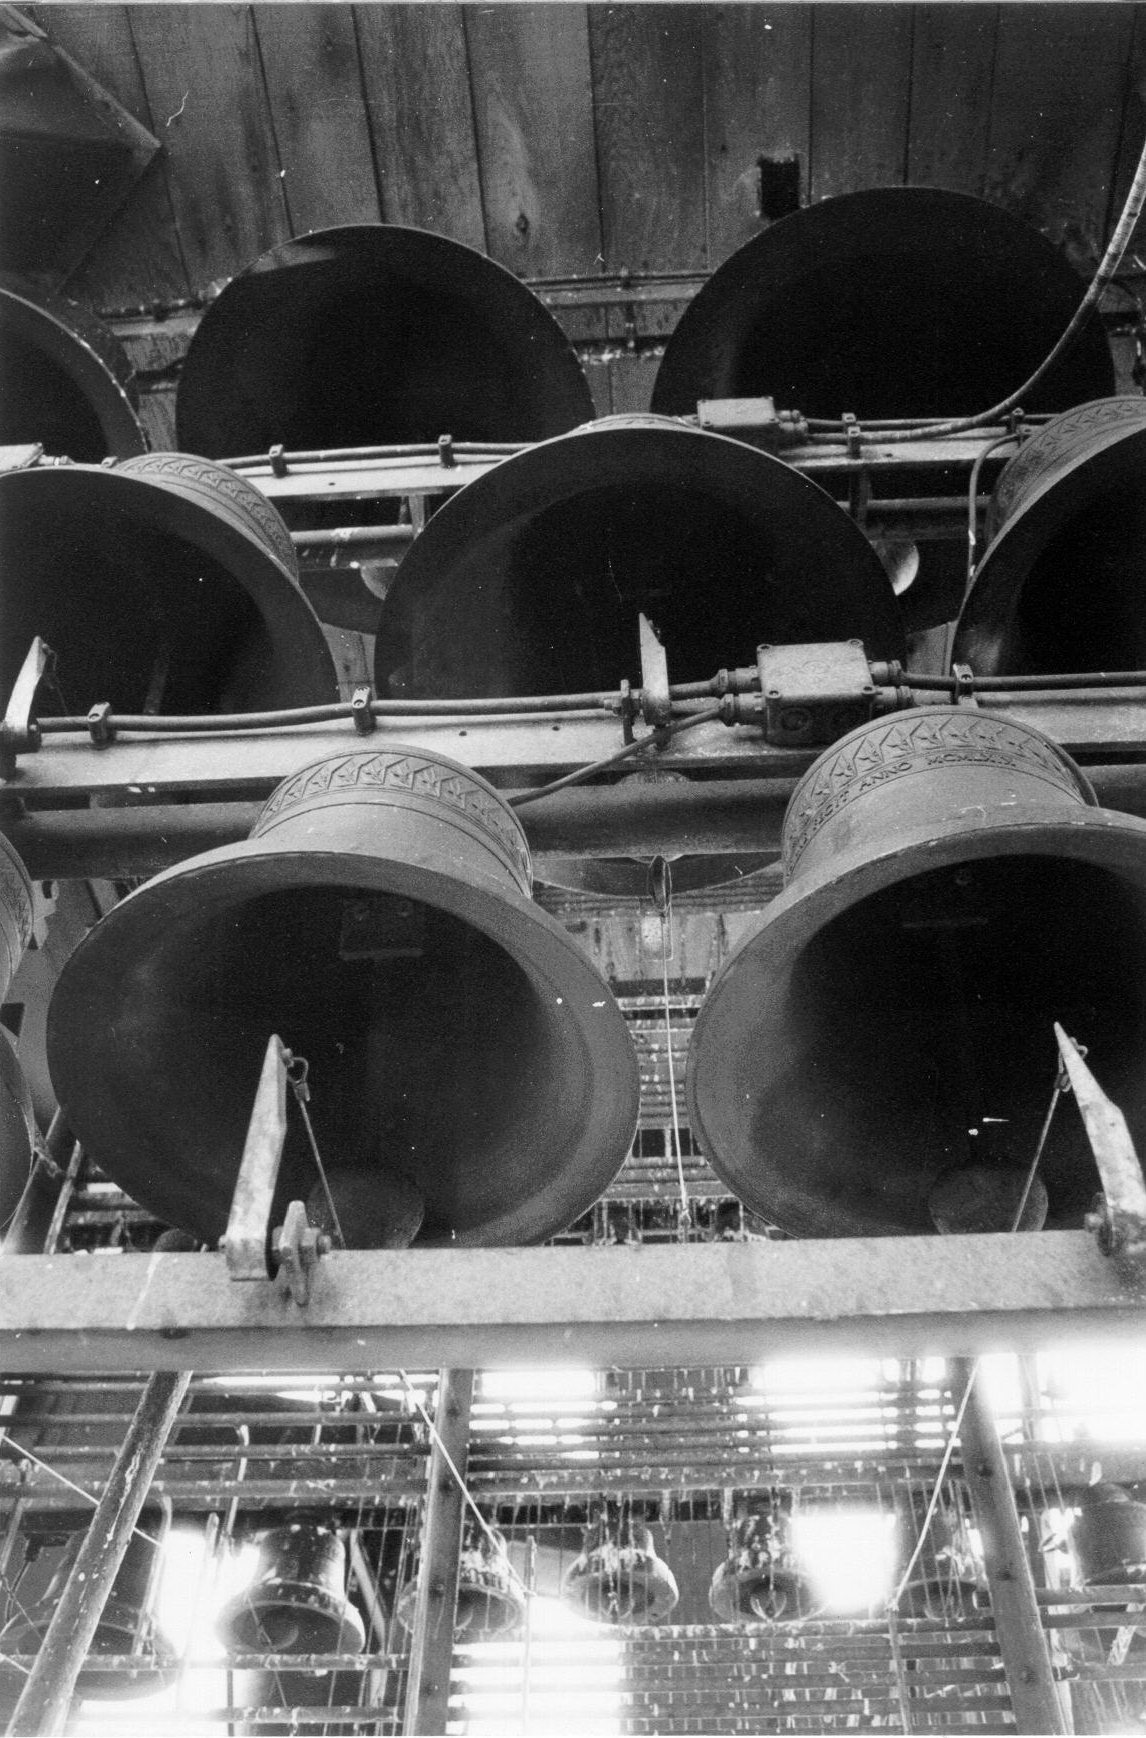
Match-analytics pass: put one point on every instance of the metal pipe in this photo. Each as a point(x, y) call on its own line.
point(46, 1697)
point(635, 818)
point(432, 1642)
point(1018, 1627)
point(31, 1224)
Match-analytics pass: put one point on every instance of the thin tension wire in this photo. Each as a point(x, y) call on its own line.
point(1061, 1085)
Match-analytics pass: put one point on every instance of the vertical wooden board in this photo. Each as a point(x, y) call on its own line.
point(631, 377)
point(861, 82)
point(533, 115)
point(157, 414)
point(952, 70)
point(1056, 118)
point(757, 100)
point(204, 85)
point(314, 90)
point(648, 97)
point(598, 372)
point(137, 259)
point(418, 97)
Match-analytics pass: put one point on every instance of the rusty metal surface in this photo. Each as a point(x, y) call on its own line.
point(423, 336)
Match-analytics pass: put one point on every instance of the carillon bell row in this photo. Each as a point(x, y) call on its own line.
point(474, 1081)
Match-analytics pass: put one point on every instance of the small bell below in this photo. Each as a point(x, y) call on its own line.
point(759, 1581)
point(127, 1626)
point(618, 1577)
point(491, 1598)
point(296, 1602)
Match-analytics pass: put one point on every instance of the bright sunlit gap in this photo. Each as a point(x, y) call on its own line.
point(848, 1556)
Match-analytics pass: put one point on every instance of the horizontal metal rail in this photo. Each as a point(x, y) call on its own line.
point(625, 1306)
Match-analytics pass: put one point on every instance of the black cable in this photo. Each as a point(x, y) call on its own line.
point(973, 500)
point(585, 772)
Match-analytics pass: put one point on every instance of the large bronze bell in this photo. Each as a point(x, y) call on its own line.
point(17, 1116)
point(375, 334)
point(620, 1579)
point(878, 1057)
point(165, 584)
point(127, 1626)
point(65, 380)
point(490, 1601)
point(890, 302)
point(759, 1580)
point(379, 920)
point(296, 1601)
point(1061, 586)
point(531, 579)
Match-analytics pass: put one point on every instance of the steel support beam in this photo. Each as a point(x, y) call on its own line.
point(1018, 1625)
point(512, 751)
point(636, 819)
point(712, 816)
point(639, 1308)
point(432, 1641)
point(47, 1695)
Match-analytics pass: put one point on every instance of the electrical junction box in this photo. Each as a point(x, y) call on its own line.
point(813, 694)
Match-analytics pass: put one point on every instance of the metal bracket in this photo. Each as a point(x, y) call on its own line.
point(656, 706)
point(295, 1250)
point(295, 1246)
point(19, 733)
point(360, 703)
point(964, 679)
point(245, 1243)
point(853, 435)
point(1119, 1215)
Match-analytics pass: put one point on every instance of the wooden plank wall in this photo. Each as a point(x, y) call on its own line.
point(572, 140)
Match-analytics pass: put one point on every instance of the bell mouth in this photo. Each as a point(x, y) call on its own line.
point(151, 600)
point(454, 1033)
point(532, 579)
point(862, 303)
point(1021, 616)
point(425, 335)
point(893, 1018)
point(65, 379)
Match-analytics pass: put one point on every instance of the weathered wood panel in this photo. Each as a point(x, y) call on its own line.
point(1056, 118)
point(533, 113)
point(137, 259)
point(648, 93)
point(314, 88)
point(758, 105)
point(205, 90)
point(861, 80)
point(952, 71)
point(417, 87)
